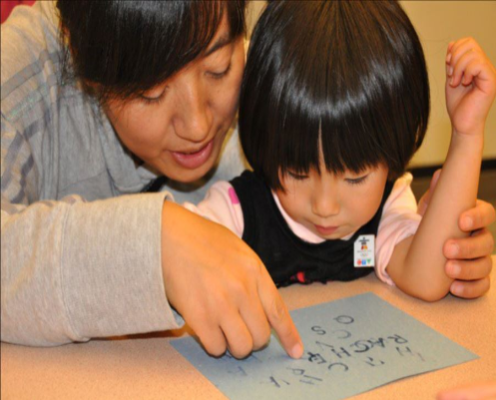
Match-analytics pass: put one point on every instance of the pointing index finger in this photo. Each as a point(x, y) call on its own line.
point(279, 317)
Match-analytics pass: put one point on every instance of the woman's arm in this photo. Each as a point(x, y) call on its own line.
point(73, 270)
point(417, 264)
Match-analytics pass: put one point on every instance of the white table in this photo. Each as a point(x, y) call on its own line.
point(147, 366)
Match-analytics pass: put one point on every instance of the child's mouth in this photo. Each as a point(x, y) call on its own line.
point(326, 230)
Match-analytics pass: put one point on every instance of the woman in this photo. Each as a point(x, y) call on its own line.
point(137, 90)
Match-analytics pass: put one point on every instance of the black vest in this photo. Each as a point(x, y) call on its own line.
point(284, 254)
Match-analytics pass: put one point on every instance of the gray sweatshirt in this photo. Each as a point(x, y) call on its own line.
point(81, 251)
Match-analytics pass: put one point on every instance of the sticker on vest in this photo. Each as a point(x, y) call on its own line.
point(364, 251)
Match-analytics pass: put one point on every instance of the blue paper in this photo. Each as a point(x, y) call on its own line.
point(351, 346)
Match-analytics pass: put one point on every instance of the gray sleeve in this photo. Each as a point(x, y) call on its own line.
point(73, 270)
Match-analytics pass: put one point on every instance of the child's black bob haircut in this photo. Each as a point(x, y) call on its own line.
point(127, 47)
point(347, 78)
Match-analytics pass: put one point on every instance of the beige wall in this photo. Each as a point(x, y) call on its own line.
point(255, 7)
point(437, 23)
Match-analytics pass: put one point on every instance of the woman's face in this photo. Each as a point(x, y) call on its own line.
point(178, 127)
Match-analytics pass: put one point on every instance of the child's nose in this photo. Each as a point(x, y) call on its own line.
point(325, 206)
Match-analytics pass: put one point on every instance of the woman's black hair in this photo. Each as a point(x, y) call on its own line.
point(347, 78)
point(125, 48)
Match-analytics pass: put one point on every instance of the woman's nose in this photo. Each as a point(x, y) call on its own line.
point(193, 117)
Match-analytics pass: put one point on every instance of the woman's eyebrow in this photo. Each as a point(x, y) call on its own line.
point(224, 40)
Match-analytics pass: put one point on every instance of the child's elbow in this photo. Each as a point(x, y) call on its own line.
point(431, 298)
point(431, 294)
point(427, 292)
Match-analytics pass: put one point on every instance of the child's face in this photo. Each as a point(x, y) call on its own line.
point(333, 206)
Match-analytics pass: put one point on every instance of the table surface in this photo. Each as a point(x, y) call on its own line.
point(148, 367)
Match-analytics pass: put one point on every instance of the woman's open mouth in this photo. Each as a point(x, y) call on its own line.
point(195, 159)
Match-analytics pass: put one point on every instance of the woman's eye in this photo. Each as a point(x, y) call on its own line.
point(357, 181)
point(152, 100)
point(222, 74)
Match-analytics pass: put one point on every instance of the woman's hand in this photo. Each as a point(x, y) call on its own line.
point(469, 259)
point(221, 287)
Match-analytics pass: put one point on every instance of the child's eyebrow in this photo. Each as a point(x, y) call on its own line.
point(224, 40)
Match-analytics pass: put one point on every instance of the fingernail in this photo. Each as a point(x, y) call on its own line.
point(448, 58)
point(456, 289)
point(453, 250)
point(455, 270)
point(297, 351)
point(450, 71)
point(468, 222)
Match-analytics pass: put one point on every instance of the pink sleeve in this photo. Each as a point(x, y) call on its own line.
point(399, 221)
point(221, 205)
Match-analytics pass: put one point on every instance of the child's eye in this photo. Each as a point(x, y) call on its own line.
point(220, 75)
point(357, 181)
point(297, 176)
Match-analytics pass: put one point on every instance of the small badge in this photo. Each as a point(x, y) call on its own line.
point(364, 251)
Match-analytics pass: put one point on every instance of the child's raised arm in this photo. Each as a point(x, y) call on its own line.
point(417, 263)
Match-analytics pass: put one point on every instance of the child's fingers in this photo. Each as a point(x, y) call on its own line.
point(456, 70)
point(465, 69)
point(473, 69)
point(448, 52)
point(458, 66)
point(457, 49)
point(461, 46)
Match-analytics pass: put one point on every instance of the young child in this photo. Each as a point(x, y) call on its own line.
point(334, 103)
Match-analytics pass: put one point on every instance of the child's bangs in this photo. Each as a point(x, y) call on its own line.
point(318, 128)
point(343, 93)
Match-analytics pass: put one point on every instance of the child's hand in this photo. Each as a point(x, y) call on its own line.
point(470, 86)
